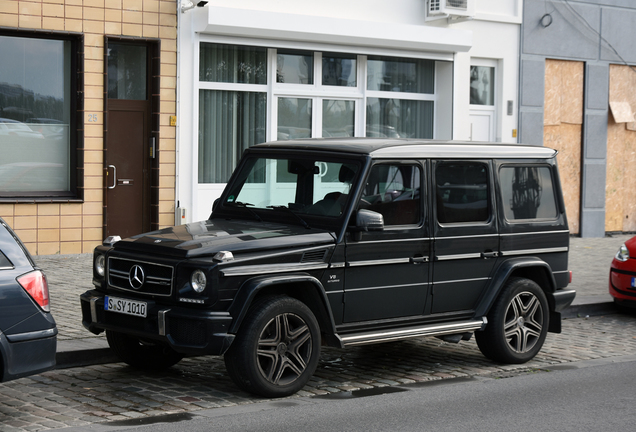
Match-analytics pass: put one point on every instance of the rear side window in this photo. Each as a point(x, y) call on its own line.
point(462, 192)
point(527, 192)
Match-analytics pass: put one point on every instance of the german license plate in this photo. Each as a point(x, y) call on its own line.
point(633, 282)
point(125, 306)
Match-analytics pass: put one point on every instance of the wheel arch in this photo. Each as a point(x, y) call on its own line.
point(531, 268)
point(302, 287)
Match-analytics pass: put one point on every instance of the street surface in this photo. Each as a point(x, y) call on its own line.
point(594, 395)
point(87, 396)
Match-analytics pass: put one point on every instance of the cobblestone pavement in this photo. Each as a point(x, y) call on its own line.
point(93, 394)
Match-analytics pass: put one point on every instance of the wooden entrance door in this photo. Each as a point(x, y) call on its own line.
point(129, 155)
point(128, 179)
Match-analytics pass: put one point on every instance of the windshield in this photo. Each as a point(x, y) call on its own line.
point(306, 186)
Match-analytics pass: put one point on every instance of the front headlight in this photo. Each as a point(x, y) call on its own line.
point(100, 265)
point(622, 254)
point(198, 281)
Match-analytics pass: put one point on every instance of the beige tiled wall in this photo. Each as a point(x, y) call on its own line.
point(71, 228)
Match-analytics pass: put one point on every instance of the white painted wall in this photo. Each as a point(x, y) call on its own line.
point(396, 27)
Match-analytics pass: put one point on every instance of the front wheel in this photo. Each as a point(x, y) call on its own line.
point(517, 323)
point(142, 354)
point(277, 348)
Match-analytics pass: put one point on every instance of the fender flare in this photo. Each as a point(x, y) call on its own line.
point(251, 287)
point(502, 274)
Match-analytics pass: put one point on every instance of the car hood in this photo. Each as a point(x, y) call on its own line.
point(237, 236)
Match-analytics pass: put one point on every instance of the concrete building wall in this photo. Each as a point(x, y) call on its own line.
point(598, 34)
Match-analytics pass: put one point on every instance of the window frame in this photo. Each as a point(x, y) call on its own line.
point(316, 92)
point(490, 191)
point(76, 140)
point(423, 201)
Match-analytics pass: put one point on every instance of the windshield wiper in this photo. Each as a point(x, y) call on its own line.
point(288, 210)
point(245, 206)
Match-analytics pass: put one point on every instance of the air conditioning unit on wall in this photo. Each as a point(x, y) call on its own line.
point(450, 9)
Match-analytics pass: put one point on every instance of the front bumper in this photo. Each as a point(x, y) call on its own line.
point(620, 285)
point(188, 331)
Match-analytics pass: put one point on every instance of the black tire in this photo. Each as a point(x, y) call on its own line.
point(517, 323)
point(277, 348)
point(141, 354)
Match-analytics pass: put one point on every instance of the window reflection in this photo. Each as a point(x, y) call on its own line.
point(394, 192)
point(35, 112)
point(482, 85)
point(399, 118)
point(401, 75)
point(294, 118)
point(462, 193)
point(127, 71)
point(294, 67)
point(338, 70)
point(528, 193)
point(232, 64)
point(338, 118)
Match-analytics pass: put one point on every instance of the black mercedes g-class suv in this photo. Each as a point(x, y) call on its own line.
point(345, 242)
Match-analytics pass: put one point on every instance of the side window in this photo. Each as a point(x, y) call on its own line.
point(4, 262)
point(527, 192)
point(462, 192)
point(394, 191)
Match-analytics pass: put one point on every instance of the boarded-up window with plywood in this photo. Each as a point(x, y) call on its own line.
point(562, 125)
point(620, 185)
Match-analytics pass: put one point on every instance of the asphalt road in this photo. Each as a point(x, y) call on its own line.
point(588, 395)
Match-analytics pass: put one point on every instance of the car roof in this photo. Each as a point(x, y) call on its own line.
point(413, 148)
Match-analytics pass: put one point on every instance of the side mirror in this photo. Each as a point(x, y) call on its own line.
point(367, 220)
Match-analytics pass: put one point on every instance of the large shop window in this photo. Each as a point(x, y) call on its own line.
point(229, 121)
point(309, 94)
point(36, 110)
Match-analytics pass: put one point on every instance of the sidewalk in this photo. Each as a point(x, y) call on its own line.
point(70, 275)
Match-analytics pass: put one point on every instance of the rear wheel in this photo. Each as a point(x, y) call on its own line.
point(142, 354)
point(277, 348)
point(517, 323)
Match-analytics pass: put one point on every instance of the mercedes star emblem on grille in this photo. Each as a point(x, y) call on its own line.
point(136, 277)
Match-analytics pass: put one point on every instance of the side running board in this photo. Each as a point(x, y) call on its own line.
point(411, 332)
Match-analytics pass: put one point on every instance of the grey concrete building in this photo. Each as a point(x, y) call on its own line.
point(577, 95)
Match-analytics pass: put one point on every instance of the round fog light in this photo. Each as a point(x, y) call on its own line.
point(198, 281)
point(100, 265)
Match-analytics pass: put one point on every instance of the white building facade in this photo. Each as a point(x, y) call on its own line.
point(251, 71)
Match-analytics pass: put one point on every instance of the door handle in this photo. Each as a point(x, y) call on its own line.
point(489, 254)
point(114, 176)
point(418, 260)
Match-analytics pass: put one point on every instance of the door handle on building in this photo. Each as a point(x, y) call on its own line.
point(114, 176)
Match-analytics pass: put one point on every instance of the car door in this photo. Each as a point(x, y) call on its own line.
point(387, 272)
point(466, 242)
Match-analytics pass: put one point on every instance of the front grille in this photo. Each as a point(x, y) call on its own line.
point(156, 279)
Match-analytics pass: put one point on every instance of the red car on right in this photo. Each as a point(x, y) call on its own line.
point(622, 280)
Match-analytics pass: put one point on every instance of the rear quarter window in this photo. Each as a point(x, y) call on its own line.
point(5, 264)
point(527, 192)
